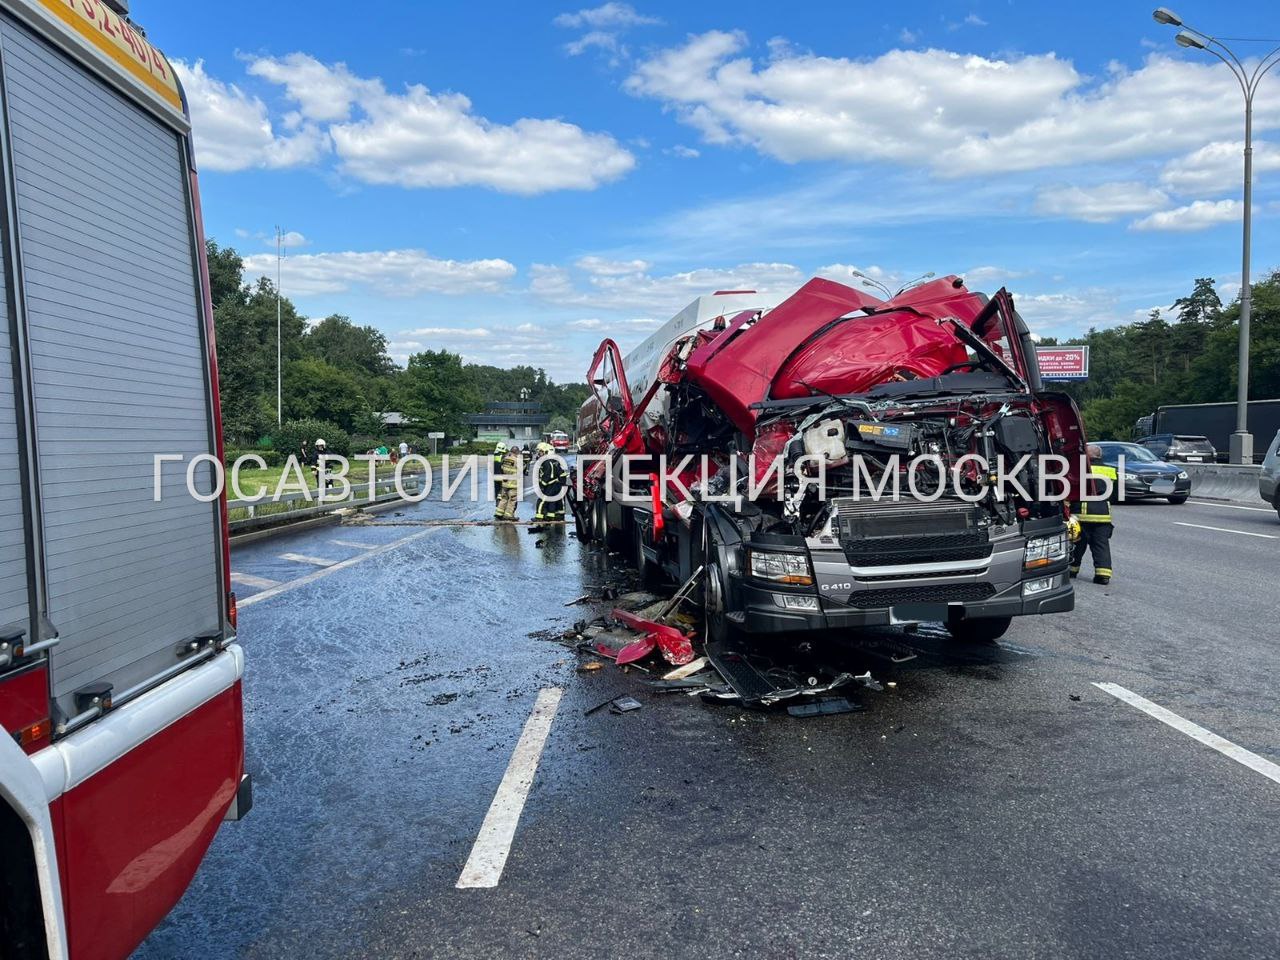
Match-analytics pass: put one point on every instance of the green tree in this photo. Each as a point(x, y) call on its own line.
point(436, 391)
point(315, 390)
point(340, 343)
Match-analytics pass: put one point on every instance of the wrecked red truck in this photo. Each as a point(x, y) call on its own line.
point(750, 447)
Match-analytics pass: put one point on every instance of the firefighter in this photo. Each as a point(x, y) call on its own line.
point(507, 479)
point(314, 458)
point(551, 478)
point(499, 451)
point(1095, 521)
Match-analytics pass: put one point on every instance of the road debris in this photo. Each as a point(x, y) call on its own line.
point(688, 670)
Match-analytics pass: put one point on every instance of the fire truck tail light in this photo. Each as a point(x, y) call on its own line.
point(33, 734)
point(231, 609)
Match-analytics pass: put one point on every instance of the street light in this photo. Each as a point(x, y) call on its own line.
point(1191, 38)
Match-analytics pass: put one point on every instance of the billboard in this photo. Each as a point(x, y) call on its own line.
point(1063, 363)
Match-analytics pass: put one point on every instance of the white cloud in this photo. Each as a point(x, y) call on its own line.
point(603, 267)
point(394, 273)
point(597, 39)
point(291, 240)
point(590, 323)
point(977, 276)
point(233, 130)
point(1217, 166)
point(607, 15)
point(973, 20)
point(605, 26)
point(660, 295)
point(452, 333)
point(412, 138)
point(1199, 215)
point(955, 114)
point(686, 153)
point(1101, 203)
point(908, 37)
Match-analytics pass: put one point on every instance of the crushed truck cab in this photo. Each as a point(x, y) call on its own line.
point(837, 461)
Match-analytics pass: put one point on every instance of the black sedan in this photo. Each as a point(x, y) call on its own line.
point(1144, 475)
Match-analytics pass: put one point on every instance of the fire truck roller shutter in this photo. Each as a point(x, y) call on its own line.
point(118, 370)
point(13, 542)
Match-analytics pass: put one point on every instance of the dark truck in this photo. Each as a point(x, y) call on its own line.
point(836, 382)
point(1213, 421)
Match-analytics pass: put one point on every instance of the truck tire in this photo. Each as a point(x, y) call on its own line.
point(719, 628)
point(979, 629)
point(581, 520)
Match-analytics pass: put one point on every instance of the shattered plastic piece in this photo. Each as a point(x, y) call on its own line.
point(869, 682)
point(624, 705)
point(637, 649)
point(675, 646)
point(589, 666)
point(824, 708)
point(688, 670)
point(585, 598)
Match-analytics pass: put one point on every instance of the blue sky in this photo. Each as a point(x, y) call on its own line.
point(514, 181)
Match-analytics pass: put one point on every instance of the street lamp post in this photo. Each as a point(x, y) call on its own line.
point(279, 381)
point(1189, 37)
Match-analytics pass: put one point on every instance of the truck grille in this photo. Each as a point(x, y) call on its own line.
point(887, 533)
point(943, 593)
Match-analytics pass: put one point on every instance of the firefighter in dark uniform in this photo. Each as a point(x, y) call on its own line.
point(1095, 521)
point(551, 480)
point(499, 451)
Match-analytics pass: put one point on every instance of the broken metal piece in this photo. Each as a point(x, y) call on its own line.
point(624, 705)
point(675, 646)
point(824, 708)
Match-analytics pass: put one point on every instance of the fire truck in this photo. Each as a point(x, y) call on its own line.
point(120, 681)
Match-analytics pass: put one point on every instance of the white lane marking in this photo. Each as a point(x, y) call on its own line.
point(1196, 732)
point(353, 543)
point(249, 580)
point(1243, 533)
point(313, 577)
point(1232, 506)
point(489, 853)
point(303, 558)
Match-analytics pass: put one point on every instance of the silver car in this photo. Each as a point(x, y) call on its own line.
point(1269, 478)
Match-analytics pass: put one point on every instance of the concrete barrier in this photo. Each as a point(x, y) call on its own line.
point(1222, 481)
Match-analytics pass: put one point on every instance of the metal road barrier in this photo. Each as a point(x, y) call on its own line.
point(1224, 481)
point(244, 515)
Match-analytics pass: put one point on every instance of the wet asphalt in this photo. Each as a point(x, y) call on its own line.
point(992, 803)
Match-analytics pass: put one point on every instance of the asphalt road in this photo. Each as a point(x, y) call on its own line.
point(994, 803)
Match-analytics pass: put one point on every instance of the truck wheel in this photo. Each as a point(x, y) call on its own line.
point(581, 518)
point(979, 629)
point(1178, 500)
point(715, 592)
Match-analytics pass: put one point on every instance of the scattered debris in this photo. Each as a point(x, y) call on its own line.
point(585, 598)
point(824, 708)
point(589, 666)
point(1074, 696)
point(624, 705)
point(675, 646)
point(688, 670)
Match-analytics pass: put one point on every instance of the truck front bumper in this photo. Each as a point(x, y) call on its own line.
point(762, 609)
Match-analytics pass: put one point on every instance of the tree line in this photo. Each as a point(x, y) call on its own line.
point(338, 372)
point(1137, 367)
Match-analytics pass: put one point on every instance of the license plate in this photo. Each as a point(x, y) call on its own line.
point(917, 612)
point(1162, 486)
point(1195, 459)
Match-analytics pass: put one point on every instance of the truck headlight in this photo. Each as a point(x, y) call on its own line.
point(1182, 474)
point(1132, 476)
point(790, 568)
point(1043, 551)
